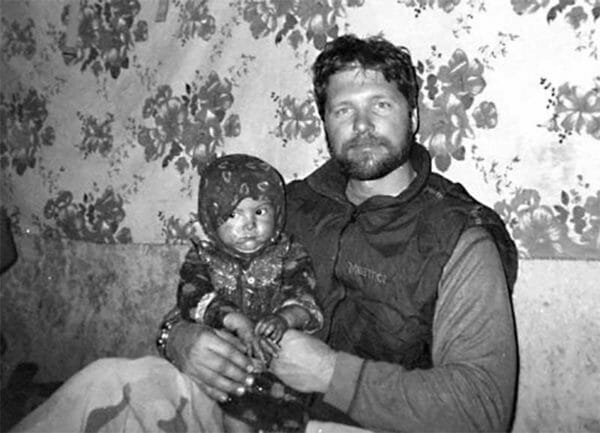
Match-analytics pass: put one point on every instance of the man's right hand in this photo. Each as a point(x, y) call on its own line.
point(215, 359)
point(304, 362)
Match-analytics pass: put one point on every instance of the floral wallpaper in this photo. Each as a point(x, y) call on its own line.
point(109, 108)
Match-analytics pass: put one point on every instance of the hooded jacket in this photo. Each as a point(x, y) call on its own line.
point(216, 279)
point(379, 264)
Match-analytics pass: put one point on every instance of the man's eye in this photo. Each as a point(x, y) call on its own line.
point(340, 112)
point(262, 211)
point(383, 105)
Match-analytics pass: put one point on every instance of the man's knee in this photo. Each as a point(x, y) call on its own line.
point(109, 370)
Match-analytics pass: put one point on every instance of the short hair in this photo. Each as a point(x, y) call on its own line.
point(373, 53)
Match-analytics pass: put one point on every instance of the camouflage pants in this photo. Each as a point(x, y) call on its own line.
point(135, 395)
point(123, 395)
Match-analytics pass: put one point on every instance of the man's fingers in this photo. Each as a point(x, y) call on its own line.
point(218, 364)
point(258, 350)
point(268, 346)
point(233, 353)
point(233, 366)
point(220, 382)
point(231, 339)
point(213, 393)
point(250, 349)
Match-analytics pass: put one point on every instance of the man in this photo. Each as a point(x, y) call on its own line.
point(414, 276)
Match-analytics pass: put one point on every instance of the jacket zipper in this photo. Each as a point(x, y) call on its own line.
point(351, 219)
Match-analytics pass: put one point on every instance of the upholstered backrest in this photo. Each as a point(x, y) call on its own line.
point(66, 303)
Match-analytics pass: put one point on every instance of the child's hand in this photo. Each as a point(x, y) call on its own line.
point(255, 347)
point(272, 327)
point(269, 348)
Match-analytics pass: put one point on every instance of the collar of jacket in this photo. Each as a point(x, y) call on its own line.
point(329, 180)
point(379, 214)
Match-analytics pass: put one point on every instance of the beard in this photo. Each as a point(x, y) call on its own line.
point(369, 165)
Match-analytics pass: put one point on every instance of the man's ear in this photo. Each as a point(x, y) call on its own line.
point(414, 118)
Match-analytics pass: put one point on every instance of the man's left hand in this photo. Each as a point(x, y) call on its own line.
point(304, 362)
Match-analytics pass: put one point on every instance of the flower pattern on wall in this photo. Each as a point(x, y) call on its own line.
point(97, 135)
point(196, 20)
point(176, 231)
point(106, 34)
point(318, 19)
point(575, 110)
point(420, 5)
point(18, 40)
point(22, 129)
point(570, 228)
point(188, 129)
point(215, 77)
point(450, 93)
point(578, 14)
point(297, 119)
point(93, 219)
point(573, 13)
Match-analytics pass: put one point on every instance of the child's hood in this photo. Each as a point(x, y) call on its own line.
point(228, 180)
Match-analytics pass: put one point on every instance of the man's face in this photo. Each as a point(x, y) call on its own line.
point(249, 226)
point(368, 123)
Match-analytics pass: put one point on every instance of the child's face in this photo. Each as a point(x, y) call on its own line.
point(249, 226)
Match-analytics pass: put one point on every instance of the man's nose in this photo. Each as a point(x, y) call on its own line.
point(363, 122)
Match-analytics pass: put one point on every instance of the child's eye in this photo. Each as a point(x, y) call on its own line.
point(263, 210)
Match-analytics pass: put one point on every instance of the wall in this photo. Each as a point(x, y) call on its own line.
point(110, 108)
point(556, 306)
point(66, 303)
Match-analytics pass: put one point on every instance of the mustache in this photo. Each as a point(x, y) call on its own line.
point(368, 139)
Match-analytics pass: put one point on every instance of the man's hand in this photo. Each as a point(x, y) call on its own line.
point(304, 362)
point(214, 359)
point(243, 327)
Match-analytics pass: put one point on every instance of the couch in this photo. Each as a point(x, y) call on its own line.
point(66, 303)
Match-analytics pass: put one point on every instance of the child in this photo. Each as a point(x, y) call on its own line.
point(251, 278)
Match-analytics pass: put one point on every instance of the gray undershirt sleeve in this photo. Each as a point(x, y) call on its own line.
point(471, 386)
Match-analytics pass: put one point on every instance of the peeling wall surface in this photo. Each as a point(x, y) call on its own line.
point(557, 308)
point(67, 303)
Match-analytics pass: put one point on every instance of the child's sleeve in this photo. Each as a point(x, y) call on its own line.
point(197, 299)
point(299, 284)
